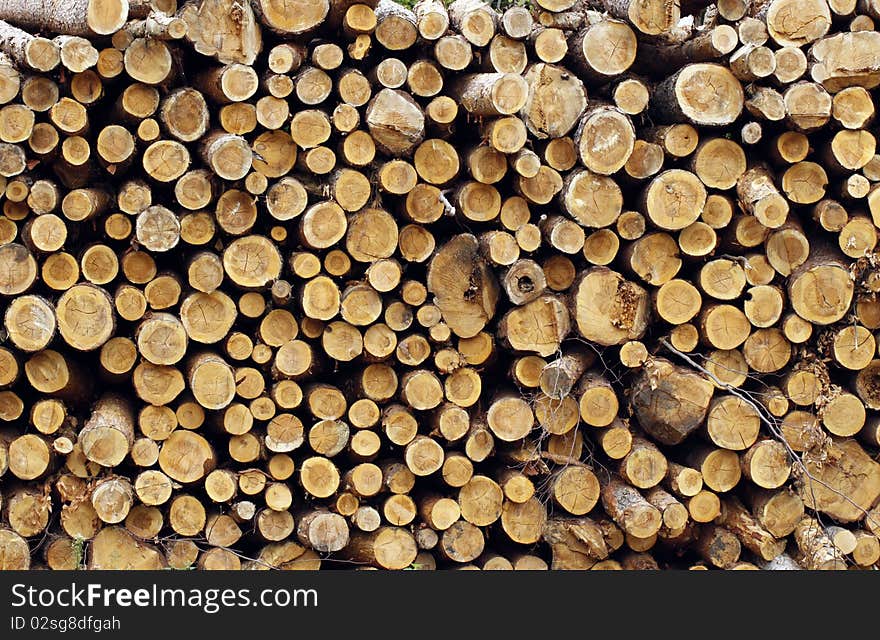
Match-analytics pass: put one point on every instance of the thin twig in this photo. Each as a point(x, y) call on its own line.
point(771, 423)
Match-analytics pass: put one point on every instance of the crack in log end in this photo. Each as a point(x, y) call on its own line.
point(465, 288)
point(846, 481)
point(401, 261)
point(670, 402)
point(609, 309)
point(538, 326)
point(472, 292)
point(628, 297)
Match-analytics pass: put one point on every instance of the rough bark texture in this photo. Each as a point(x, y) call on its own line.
point(583, 284)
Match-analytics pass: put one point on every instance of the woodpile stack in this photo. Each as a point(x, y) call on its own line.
point(303, 283)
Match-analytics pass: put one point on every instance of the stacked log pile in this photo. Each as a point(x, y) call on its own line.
point(326, 283)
